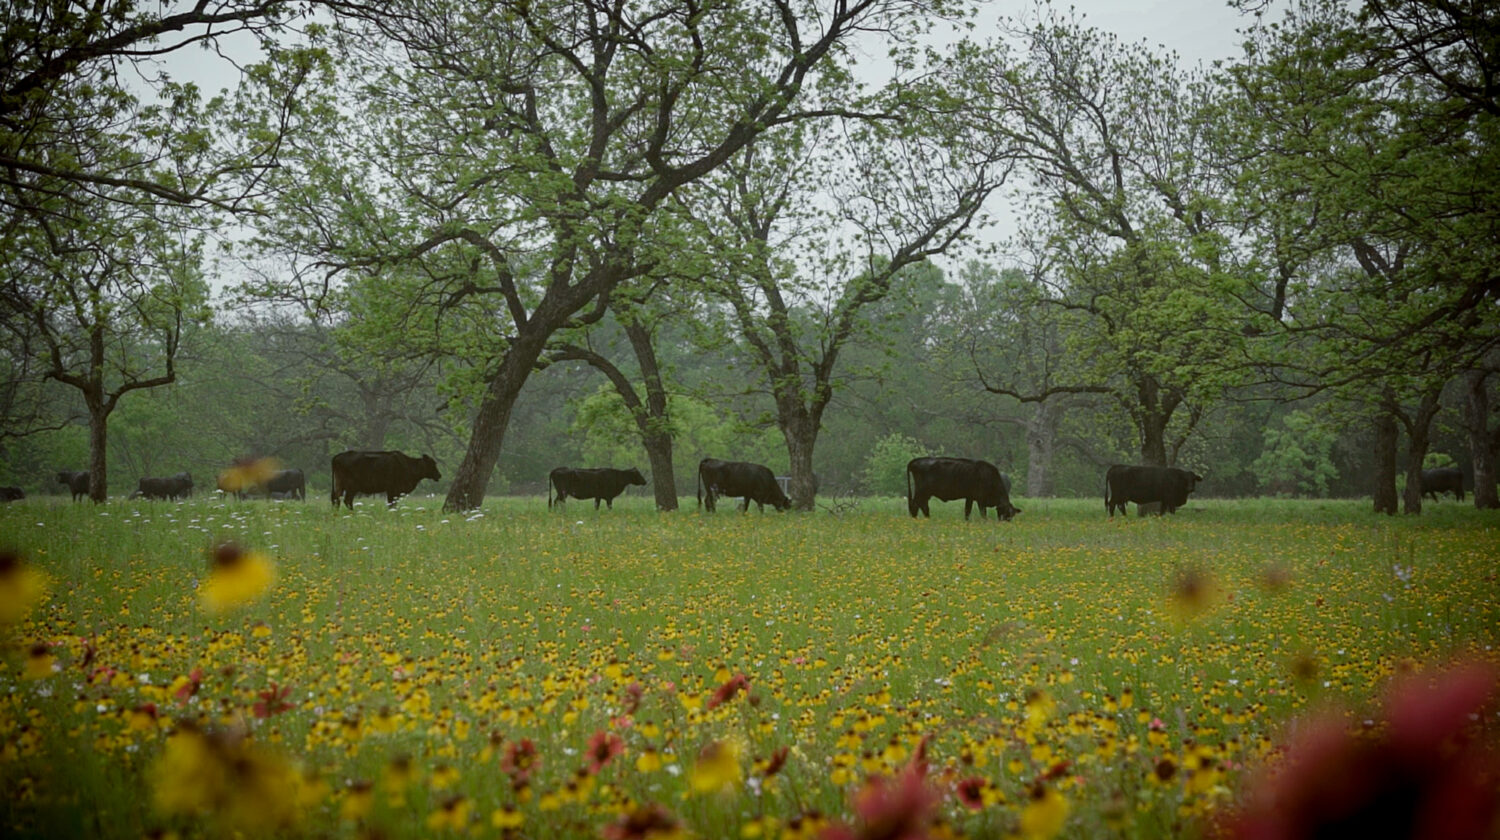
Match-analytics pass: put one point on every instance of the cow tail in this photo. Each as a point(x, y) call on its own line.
point(908, 485)
point(333, 494)
point(700, 487)
point(551, 482)
point(1108, 508)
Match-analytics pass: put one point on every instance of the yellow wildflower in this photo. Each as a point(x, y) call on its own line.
point(452, 814)
point(507, 818)
point(1045, 814)
point(40, 662)
point(21, 586)
point(357, 801)
point(247, 474)
point(717, 768)
point(237, 578)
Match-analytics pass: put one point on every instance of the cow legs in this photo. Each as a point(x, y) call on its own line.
point(969, 508)
point(596, 503)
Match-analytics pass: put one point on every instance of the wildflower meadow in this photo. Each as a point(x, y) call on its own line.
point(215, 667)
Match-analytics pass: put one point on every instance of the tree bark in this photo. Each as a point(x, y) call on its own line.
point(801, 438)
point(1041, 443)
point(656, 434)
point(1418, 438)
point(98, 449)
point(473, 473)
point(1386, 434)
point(1481, 441)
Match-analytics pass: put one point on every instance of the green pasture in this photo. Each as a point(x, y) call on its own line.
point(402, 654)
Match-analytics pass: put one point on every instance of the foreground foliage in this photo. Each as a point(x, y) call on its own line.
point(626, 674)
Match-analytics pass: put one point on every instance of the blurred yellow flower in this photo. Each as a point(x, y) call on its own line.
point(21, 586)
point(39, 662)
point(247, 474)
point(717, 768)
point(237, 578)
point(224, 775)
point(452, 814)
point(1045, 814)
point(357, 801)
point(507, 818)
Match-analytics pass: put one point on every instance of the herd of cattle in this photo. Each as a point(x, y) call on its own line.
point(395, 474)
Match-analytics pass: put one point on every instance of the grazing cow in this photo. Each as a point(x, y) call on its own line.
point(373, 473)
point(178, 486)
point(756, 483)
point(290, 483)
point(76, 481)
point(592, 483)
point(946, 479)
point(1146, 485)
point(11, 494)
point(1442, 480)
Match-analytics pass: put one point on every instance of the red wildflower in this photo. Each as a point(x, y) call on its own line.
point(1425, 773)
point(272, 701)
point(778, 760)
point(726, 692)
point(971, 792)
point(902, 807)
point(641, 822)
point(520, 760)
point(189, 687)
point(603, 746)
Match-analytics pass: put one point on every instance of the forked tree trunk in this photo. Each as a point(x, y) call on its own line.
point(1419, 436)
point(1481, 440)
point(1384, 490)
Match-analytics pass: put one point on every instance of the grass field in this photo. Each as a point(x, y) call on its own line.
point(520, 672)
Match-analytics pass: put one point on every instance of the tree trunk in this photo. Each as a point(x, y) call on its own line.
point(1386, 433)
point(1041, 443)
point(656, 435)
point(474, 472)
point(801, 437)
point(98, 450)
point(663, 480)
point(1419, 436)
point(1481, 443)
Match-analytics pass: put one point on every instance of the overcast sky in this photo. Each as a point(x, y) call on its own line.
point(1197, 30)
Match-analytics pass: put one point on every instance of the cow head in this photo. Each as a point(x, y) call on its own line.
point(1007, 511)
point(429, 469)
point(635, 477)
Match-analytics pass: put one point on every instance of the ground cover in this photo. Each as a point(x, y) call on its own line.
point(534, 673)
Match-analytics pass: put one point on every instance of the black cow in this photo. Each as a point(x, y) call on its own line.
point(76, 481)
point(755, 482)
point(288, 483)
point(373, 473)
point(946, 479)
point(1147, 485)
point(173, 487)
point(11, 494)
point(1443, 480)
point(591, 483)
